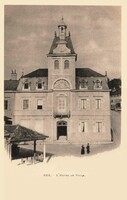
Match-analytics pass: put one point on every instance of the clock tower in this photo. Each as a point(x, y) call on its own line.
point(61, 58)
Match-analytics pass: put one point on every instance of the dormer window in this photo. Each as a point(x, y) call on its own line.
point(66, 64)
point(56, 64)
point(40, 85)
point(97, 84)
point(83, 84)
point(26, 85)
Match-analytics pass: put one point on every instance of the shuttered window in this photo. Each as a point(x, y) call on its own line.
point(25, 104)
point(83, 127)
point(99, 127)
point(98, 103)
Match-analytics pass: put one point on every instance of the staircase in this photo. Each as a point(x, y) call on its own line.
point(62, 140)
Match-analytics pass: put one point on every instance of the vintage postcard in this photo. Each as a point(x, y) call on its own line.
point(64, 97)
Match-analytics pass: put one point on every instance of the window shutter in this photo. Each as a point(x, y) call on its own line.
point(86, 127)
point(44, 103)
point(88, 104)
point(94, 128)
point(79, 127)
point(103, 127)
point(79, 104)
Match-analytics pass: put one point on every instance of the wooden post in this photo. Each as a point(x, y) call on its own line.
point(10, 151)
point(44, 151)
point(34, 149)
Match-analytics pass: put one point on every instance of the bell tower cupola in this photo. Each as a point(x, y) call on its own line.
point(62, 29)
point(61, 58)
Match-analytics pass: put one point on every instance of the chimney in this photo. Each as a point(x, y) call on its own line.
point(14, 75)
point(106, 76)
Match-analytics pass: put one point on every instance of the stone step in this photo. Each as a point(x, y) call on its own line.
point(62, 139)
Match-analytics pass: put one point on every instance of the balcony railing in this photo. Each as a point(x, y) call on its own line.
point(62, 115)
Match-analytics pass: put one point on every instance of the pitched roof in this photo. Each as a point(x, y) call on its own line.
point(37, 73)
point(11, 84)
point(18, 133)
point(87, 72)
point(69, 44)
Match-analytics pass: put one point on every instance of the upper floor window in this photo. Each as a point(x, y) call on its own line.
point(66, 64)
point(25, 104)
point(56, 64)
point(6, 104)
point(39, 104)
point(62, 104)
point(83, 84)
point(98, 84)
point(98, 103)
point(83, 104)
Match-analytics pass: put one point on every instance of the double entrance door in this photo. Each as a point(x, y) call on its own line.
point(61, 129)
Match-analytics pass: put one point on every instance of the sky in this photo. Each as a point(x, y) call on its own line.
point(95, 33)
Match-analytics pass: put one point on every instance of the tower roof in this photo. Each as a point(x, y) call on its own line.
point(55, 43)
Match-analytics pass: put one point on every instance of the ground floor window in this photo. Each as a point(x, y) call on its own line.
point(83, 127)
point(99, 127)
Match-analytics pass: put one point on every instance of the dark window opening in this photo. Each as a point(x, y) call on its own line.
point(6, 104)
point(39, 107)
point(26, 86)
point(39, 86)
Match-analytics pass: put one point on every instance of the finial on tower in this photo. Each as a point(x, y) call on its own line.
point(62, 23)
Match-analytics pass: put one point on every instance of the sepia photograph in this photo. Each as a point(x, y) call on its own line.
point(64, 100)
point(62, 88)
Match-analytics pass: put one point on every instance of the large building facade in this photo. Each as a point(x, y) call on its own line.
point(66, 103)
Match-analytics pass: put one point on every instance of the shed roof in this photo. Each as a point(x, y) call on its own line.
point(19, 133)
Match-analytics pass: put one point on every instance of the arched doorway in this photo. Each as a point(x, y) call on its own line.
point(61, 129)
